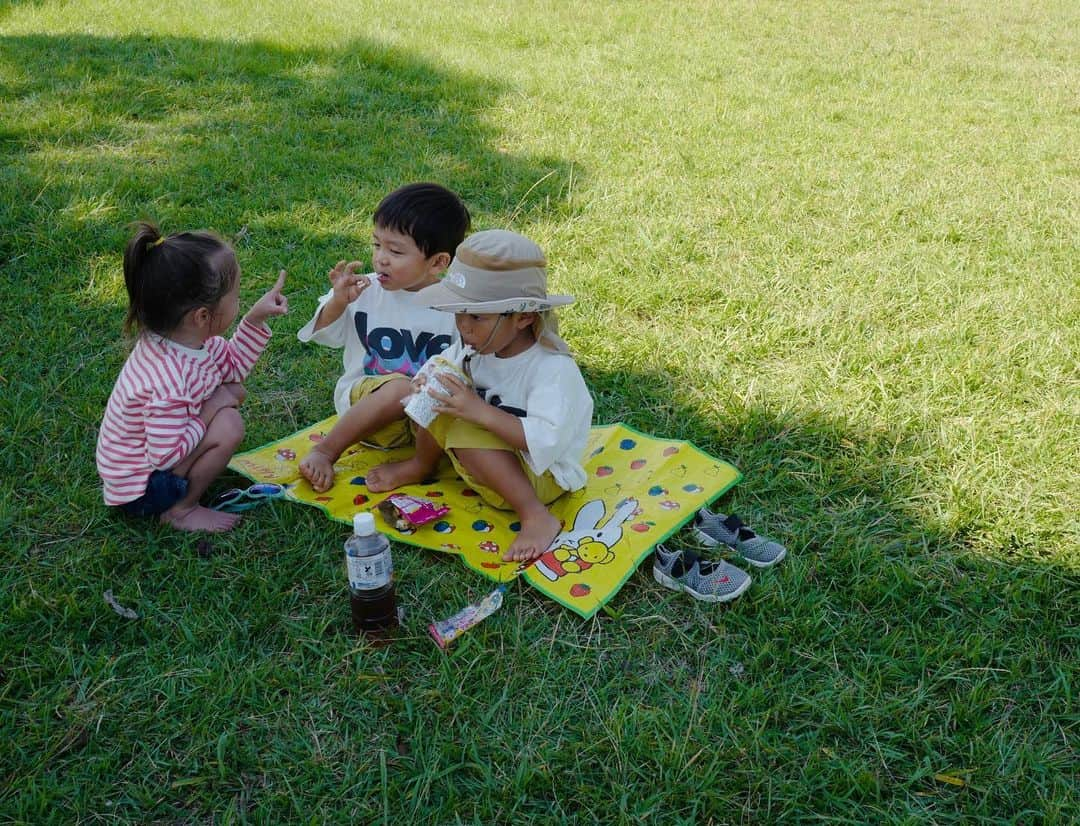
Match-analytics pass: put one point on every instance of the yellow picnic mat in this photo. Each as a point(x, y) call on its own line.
point(641, 489)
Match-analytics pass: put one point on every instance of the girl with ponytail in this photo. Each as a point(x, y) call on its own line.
point(172, 421)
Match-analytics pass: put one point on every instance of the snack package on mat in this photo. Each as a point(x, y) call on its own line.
point(405, 512)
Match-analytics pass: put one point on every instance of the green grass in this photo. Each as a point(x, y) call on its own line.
point(835, 244)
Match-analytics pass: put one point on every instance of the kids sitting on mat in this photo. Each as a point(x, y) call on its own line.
point(387, 335)
point(515, 426)
point(171, 424)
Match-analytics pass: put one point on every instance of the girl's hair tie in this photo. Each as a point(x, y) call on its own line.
point(156, 243)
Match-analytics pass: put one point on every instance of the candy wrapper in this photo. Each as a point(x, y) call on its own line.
point(406, 512)
point(446, 631)
point(420, 407)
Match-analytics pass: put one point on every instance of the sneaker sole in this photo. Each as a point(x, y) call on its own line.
point(757, 564)
point(675, 585)
point(710, 542)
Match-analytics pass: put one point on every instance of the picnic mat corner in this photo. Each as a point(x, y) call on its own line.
point(640, 490)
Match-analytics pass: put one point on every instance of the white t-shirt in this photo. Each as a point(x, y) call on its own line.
point(383, 331)
point(546, 390)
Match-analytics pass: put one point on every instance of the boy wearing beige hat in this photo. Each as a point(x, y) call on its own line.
point(517, 432)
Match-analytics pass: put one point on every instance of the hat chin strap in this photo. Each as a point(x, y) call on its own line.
point(480, 350)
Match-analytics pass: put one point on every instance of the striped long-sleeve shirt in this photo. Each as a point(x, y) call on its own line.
point(152, 418)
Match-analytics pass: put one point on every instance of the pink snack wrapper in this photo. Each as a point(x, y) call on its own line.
point(405, 512)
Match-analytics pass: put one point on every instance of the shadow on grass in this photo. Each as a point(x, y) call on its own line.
point(861, 488)
point(286, 151)
point(851, 510)
point(886, 649)
point(228, 134)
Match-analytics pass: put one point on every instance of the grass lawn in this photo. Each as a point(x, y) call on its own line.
point(834, 244)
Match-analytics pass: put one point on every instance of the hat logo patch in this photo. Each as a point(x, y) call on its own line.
point(455, 278)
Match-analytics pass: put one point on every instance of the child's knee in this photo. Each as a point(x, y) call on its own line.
point(238, 390)
point(400, 386)
point(366, 390)
point(228, 427)
point(392, 393)
point(494, 468)
point(473, 460)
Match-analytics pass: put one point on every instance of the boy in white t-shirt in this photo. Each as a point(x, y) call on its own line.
point(386, 333)
point(518, 433)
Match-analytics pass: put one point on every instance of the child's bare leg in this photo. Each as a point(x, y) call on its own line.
point(414, 469)
point(239, 392)
point(369, 415)
point(203, 466)
point(501, 471)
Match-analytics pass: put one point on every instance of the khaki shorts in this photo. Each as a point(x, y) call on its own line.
point(453, 433)
point(395, 434)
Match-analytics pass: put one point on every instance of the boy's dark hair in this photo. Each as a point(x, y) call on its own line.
point(433, 216)
point(166, 277)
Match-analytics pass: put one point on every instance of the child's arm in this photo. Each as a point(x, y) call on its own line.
point(347, 286)
point(272, 303)
point(328, 326)
point(172, 432)
point(462, 401)
point(558, 421)
point(239, 355)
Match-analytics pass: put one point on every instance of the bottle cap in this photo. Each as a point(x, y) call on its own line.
point(363, 524)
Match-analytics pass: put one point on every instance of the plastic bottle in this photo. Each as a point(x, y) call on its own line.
point(371, 577)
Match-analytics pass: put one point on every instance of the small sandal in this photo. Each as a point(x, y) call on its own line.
point(236, 500)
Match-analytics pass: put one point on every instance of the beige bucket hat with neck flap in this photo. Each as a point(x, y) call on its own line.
point(494, 271)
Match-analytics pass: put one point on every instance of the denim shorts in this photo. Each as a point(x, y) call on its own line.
point(163, 490)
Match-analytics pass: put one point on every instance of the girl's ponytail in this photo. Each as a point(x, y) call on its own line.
point(144, 242)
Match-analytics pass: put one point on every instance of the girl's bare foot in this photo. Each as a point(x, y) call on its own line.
point(318, 468)
point(394, 475)
point(199, 518)
point(535, 537)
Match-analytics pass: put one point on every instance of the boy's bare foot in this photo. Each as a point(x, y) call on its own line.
point(534, 538)
point(318, 468)
point(199, 518)
point(394, 474)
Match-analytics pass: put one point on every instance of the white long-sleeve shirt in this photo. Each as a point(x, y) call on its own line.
point(152, 419)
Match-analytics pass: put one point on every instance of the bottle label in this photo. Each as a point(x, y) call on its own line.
point(368, 572)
